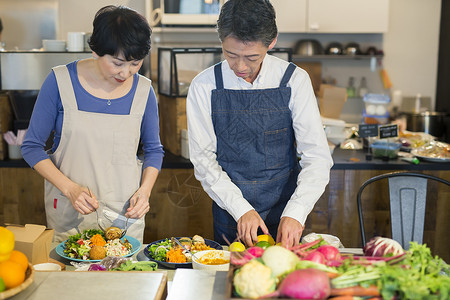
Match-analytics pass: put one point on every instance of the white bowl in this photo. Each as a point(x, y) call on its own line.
point(211, 253)
point(54, 45)
point(47, 267)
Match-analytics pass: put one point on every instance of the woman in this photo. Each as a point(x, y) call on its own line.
point(99, 110)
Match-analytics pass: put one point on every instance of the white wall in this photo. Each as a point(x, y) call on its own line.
point(411, 46)
point(77, 15)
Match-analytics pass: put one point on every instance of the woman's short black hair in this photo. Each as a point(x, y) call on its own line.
point(248, 21)
point(120, 30)
point(1, 26)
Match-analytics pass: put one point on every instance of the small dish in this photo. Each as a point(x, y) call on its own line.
point(222, 254)
point(47, 267)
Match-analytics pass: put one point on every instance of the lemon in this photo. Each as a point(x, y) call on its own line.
point(263, 244)
point(237, 247)
point(7, 241)
point(266, 238)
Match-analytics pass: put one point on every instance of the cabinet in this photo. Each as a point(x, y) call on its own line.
point(332, 16)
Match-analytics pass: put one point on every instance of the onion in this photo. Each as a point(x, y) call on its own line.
point(97, 267)
point(380, 246)
point(305, 284)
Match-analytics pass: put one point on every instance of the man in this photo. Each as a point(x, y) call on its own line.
point(249, 118)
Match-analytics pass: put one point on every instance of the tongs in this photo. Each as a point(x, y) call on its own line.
point(179, 244)
point(98, 223)
point(126, 223)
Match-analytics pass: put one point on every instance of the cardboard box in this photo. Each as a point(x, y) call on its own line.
point(331, 101)
point(34, 241)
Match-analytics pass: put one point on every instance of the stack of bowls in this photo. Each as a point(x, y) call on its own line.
point(54, 45)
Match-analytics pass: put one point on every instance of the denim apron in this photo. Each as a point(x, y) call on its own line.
point(256, 148)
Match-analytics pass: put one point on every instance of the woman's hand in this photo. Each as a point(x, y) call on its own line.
point(139, 205)
point(82, 199)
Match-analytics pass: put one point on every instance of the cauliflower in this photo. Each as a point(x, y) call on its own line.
point(254, 280)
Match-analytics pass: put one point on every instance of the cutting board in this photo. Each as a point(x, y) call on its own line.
point(96, 285)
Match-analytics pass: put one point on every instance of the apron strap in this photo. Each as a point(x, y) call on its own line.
point(287, 75)
point(65, 87)
point(141, 95)
point(218, 75)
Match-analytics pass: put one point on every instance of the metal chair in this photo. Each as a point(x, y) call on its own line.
point(407, 199)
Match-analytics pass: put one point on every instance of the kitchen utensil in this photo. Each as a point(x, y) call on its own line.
point(96, 211)
point(125, 230)
point(334, 48)
point(430, 122)
point(352, 49)
point(179, 244)
point(308, 47)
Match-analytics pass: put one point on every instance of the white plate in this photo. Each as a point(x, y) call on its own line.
point(427, 158)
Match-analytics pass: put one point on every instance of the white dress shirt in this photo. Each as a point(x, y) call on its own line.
point(311, 142)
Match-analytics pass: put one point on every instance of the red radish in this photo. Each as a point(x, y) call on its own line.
point(241, 258)
point(255, 251)
point(315, 257)
point(330, 252)
point(305, 284)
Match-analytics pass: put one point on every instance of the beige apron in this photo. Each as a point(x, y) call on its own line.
point(97, 151)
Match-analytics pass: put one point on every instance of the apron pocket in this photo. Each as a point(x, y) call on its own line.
point(124, 149)
point(276, 147)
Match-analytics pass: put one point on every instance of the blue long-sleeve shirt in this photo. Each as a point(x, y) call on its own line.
point(48, 114)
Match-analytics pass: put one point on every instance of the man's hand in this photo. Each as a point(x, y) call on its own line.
point(248, 225)
point(289, 232)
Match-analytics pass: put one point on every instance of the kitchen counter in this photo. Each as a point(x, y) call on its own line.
point(343, 160)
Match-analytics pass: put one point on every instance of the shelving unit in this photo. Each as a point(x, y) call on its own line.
point(334, 57)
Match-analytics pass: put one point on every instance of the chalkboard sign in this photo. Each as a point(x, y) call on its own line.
point(388, 131)
point(367, 130)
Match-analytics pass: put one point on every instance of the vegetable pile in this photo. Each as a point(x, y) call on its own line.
point(170, 251)
point(316, 270)
point(116, 263)
point(93, 244)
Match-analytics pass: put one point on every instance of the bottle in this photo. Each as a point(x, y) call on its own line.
point(362, 89)
point(417, 104)
point(351, 88)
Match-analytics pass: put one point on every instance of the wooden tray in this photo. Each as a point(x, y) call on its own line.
point(229, 290)
point(29, 275)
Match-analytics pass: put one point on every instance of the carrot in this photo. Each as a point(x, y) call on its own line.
point(342, 298)
point(175, 256)
point(356, 291)
point(98, 240)
point(332, 275)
